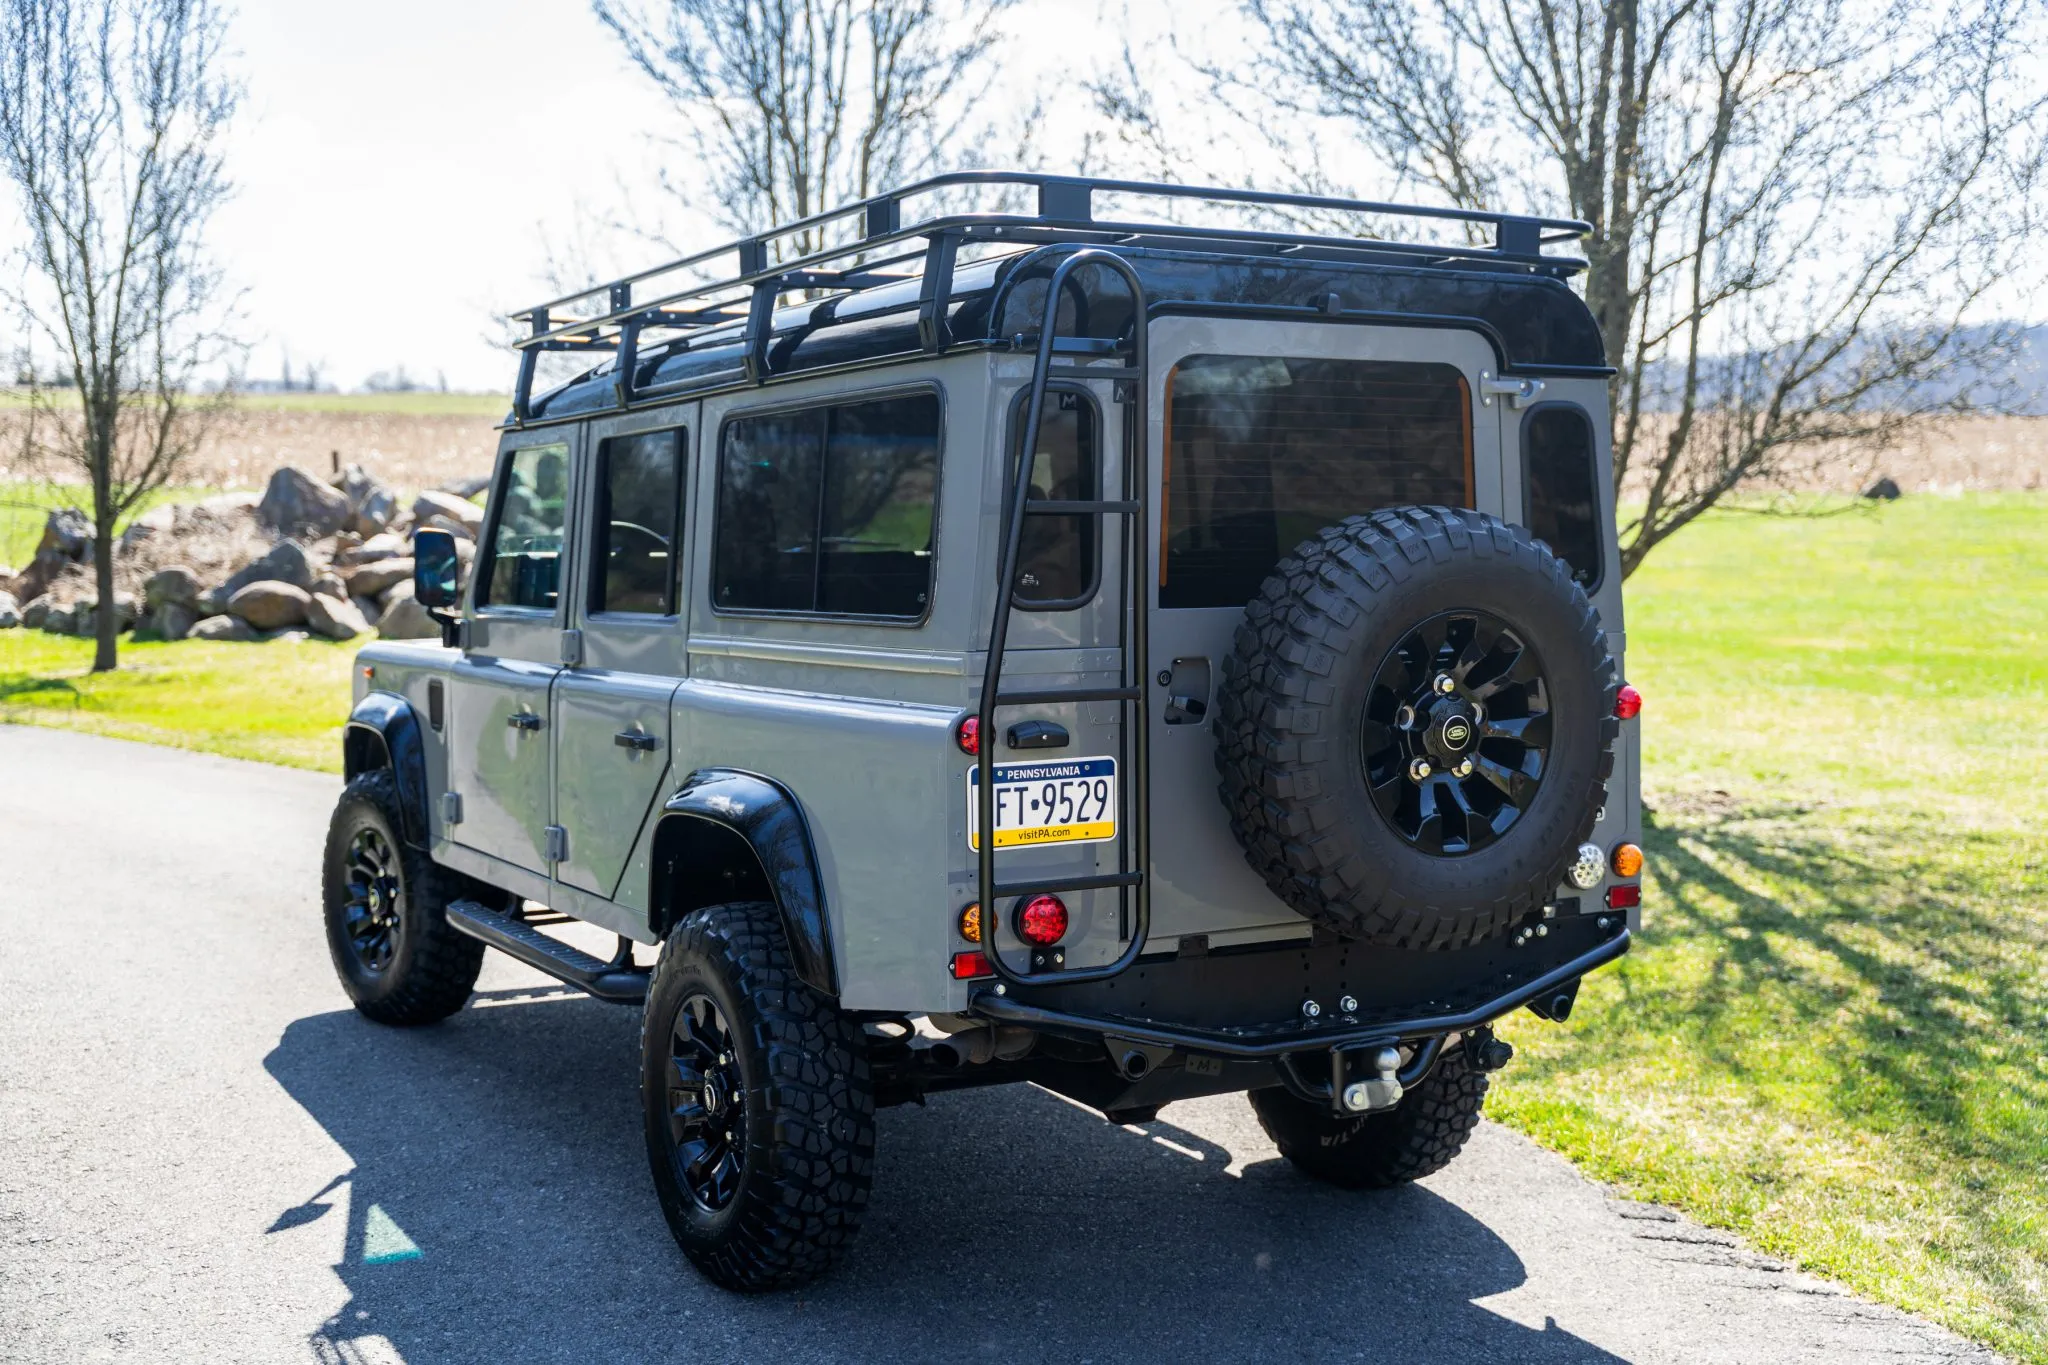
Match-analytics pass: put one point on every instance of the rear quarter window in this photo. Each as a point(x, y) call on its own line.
point(1561, 496)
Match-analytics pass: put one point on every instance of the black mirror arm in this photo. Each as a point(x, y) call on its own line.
point(451, 628)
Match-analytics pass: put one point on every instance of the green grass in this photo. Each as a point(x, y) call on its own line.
point(281, 702)
point(493, 405)
point(1829, 1037)
point(25, 506)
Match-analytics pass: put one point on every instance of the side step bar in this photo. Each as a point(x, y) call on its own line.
point(623, 985)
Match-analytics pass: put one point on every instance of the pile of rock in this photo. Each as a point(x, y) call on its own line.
point(308, 556)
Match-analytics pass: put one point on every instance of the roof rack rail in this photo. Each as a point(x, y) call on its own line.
point(617, 316)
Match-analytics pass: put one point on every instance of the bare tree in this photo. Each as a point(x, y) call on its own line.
point(111, 116)
point(796, 106)
point(1798, 207)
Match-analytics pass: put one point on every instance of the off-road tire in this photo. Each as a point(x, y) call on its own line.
point(1417, 1137)
point(433, 968)
point(1293, 695)
point(809, 1147)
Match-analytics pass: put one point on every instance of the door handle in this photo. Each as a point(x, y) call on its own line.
point(523, 720)
point(635, 739)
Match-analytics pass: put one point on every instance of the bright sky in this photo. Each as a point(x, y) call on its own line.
point(400, 162)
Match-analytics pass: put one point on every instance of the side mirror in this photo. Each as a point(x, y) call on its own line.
point(434, 569)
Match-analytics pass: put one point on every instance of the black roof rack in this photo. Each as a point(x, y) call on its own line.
point(677, 300)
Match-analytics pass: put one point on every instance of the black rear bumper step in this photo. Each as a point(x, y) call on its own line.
point(1257, 1044)
point(545, 953)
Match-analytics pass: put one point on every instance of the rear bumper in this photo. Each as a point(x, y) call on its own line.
point(1487, 997)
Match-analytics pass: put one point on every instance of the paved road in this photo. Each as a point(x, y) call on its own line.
point(205, 1155)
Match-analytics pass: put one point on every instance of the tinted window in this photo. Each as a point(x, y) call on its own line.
point(1557, 446)
point(526, 539)
point(1056, 557)
point(1263, 452)
point(829, 509)
point(638, 511)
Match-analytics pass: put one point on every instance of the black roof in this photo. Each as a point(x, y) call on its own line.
point(902, 291)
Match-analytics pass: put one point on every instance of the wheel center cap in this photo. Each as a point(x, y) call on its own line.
point(1453, 731)
point(714, 1096)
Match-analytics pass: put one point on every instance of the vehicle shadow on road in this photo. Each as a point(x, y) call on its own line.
point(499, 1207)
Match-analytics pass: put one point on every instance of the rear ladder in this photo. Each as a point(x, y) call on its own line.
point(1134, 841)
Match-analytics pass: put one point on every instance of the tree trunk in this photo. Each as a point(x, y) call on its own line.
point(108, 618)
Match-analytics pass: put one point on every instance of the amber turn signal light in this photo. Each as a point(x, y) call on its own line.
point(1628, 860)
point(970, 922)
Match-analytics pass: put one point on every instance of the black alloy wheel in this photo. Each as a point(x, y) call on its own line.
point(707, 1102)
point(1457, 732)
point(372, 913)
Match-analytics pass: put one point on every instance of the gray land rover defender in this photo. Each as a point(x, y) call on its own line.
point(1144, 658)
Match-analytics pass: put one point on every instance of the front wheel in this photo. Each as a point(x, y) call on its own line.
point(393, 948)
point(1417, 1137)
point(760, 1113)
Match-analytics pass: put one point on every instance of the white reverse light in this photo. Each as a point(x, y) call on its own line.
point(1589, 868)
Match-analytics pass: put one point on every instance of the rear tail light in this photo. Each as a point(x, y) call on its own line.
point(1042, 921)
point(1624, 897)
point(967, 966)
point(968, 735)
point(1628, 860)
point(1628, 703)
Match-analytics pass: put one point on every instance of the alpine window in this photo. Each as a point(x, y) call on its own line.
point(1056, 554)
point(1563, 508)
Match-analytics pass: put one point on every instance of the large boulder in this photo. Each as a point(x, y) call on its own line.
point(176, 584)
point(286, 562)
point(222, 628)
point(374, 580)
point(158, 521)
point(295, 502)
point(457, 513)
point(405, 619)
point(171, 621)
point(469, 487)
point(372, 610)
point(67, 533)
point(372, 502)
point(10, 612)
point(270, 605)
point(330, 585)
point(334, 618)
point(384, 545)
point(35, 613)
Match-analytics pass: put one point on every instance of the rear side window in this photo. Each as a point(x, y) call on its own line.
point(1263, 452)
point(525, 550)
point(639, 507)
point(1056, 555)
point(1563, 508)
point(828, 510)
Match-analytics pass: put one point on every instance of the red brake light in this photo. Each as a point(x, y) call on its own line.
point(1628, 703)
point(968, 736)
point(1624, 897)
point(969, 965)
point(1042, 921)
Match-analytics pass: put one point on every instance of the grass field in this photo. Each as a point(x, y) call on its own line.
point(1828, 1038)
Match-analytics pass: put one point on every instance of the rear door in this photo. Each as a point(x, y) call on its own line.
point(611, 706)
point(499, 754)
point(1268, 432)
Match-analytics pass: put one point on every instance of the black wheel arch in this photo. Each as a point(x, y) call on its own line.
point(383, 731)
point(729, 835)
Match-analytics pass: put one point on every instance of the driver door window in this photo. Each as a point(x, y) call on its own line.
point(524, 558)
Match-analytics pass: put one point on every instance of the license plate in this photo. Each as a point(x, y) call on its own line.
point(1067, 801)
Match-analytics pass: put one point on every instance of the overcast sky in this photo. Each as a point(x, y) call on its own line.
point(399, 162)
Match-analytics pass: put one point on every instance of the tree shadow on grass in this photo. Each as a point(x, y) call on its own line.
point(499, 1207)
point(33, 688)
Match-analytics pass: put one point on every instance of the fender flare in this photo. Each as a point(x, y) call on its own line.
point(383, 731)
point(713, 808)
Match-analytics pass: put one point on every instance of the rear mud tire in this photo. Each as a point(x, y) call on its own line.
point(1417, 1137)
point(1293, 702)
point(806, 1152)
point(428, 969)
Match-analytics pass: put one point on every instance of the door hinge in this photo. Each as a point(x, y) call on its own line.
point(572, 648)
point(555, 844)
point(451, 808)
point(1520, 393)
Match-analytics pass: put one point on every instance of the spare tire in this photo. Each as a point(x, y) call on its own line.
point(1416, 726)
